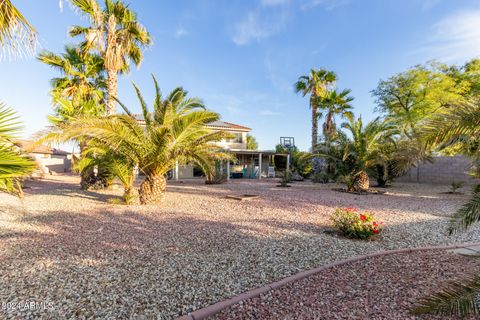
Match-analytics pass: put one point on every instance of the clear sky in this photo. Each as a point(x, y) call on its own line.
point(243, 56)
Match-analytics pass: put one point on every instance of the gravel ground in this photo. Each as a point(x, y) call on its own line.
point(385, 287)
point(82, 256)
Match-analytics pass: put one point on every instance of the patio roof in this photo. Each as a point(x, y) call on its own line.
point(257, 152)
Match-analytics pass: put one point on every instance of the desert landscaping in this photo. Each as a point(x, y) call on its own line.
point(88, 256)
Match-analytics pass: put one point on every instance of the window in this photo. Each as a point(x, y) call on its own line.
point(236, 138)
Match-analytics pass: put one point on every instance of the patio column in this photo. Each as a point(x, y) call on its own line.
point(228, 169)
point(259, 166)
point(175, 173)
point(288, 161)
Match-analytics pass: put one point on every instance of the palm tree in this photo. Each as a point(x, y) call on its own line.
point(82, 77)
point(118, 37)
point(317, 83)
point(78, 91)
point(364, 150)
point(174, 132)
point(334, 103)
point(17, 36)
point(460, 125)
point(14, 166)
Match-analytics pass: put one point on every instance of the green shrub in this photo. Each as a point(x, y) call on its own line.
point(286, 178)
point(456, 185)
point(321, 177)
point(355, 224)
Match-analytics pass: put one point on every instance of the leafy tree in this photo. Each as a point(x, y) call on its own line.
point(175, 131)
point(410, 98)
point(317, 83)
point(14, 166)
point(251, 142)
point(302, 163)
point(281, 149)
point(17, 36)
point(116, 35)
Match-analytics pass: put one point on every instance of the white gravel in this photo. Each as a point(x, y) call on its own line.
point(88, 258)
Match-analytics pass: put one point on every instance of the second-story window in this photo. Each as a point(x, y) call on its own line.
point(236, 138)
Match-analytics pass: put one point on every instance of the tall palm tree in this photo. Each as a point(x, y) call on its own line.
point(17, 36)
point(316, 83)
point(334, 103)
point(459, 125)
point(175, 131)
point(80, 90)
point(83, 76)
point(116, 34)
point(14, 165)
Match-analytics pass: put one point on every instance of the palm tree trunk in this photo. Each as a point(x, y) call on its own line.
point(112, 89)
point(83, 175)
point(362, 181)
point(130, 194)
point(314, 107)
point(328, 125)
point(152, 190)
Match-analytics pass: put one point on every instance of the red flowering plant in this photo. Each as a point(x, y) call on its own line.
point(356, 224)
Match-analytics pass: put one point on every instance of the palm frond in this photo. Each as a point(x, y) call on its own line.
point(459, 299)
point(17, 36)
point(468, 214)
point(9, 123)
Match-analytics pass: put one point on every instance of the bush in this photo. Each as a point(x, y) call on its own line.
point(355, 224)
point(286, 178)
point(321, 177)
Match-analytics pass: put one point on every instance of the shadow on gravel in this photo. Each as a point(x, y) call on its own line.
point(67, 189)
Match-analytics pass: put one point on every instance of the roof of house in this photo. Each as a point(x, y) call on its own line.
point(30, 147)
point(215, 124)
point(227, 125)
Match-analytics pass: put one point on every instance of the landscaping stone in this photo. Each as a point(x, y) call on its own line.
point(93, 259)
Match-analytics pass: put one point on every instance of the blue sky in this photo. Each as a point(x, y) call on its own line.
point(242, 57)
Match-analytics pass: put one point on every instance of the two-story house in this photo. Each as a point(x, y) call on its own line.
point(253, 164)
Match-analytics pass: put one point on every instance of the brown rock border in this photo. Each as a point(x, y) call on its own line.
point(213, 309)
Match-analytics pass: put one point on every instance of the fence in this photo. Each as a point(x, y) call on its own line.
point(442, 170)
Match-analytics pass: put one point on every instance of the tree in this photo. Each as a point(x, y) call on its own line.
point(118, 37)
point(82, 80)
point(14, 166)
point(334, 103)
point(460, 125)
point(251, 142)
point(17, 36)
point(317, 83)
point(363, 151)
point(174, 132)
point(78, 92)
point(410, 98)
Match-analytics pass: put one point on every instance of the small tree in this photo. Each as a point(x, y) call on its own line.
point(251, 142)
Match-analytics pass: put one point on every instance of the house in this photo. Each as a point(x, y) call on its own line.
point(48, 159)
point(253, 164)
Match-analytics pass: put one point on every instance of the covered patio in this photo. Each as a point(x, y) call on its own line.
point(255, 164)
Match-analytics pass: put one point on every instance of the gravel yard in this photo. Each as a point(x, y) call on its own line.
point(384, 287)
point(83, 256)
